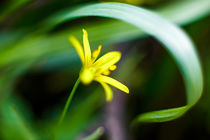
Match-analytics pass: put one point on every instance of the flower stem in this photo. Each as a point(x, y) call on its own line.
point(65, 109)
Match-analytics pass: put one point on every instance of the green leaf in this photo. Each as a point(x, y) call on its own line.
point(175, 41)
point(185, 11)
point(13, 126)
point(95, 135)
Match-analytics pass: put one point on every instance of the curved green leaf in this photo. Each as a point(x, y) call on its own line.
point(95, 135)
point(173, 38)
point(186, 10)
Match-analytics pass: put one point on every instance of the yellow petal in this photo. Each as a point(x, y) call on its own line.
point(107, 60)
point(96, 53)
point(112, 82)
point(77, 47)
point(108, 91)
point(87, 49)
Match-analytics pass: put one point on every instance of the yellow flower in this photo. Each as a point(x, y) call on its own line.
point(97, 69)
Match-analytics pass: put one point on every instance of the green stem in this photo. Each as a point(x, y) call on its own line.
point(62, 116)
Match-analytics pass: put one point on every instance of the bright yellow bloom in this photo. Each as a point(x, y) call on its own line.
point(97, 69)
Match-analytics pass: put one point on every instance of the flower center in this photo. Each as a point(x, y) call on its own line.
point(87, 75)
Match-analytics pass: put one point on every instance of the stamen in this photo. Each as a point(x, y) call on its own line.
point(107, 72)
point(113, 67)
point(96, 53)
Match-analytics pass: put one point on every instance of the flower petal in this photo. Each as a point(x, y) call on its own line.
point(87, 49)
point(78, 47)
point(107, 60)
point(108, 91)
point(112, 82)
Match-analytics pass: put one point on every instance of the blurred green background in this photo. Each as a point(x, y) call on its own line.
point(38, 68)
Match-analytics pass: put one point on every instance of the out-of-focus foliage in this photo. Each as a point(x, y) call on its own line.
point(10, 7)
point(38, 66)
point(181, 49)
point(137, 2)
